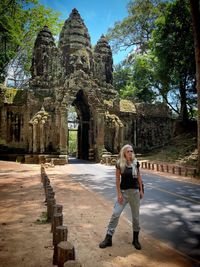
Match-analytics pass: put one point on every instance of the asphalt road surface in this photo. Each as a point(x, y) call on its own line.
point(170, 210)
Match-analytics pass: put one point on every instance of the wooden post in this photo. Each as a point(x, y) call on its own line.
point(162, 168)
point(57, 208)
point(194, 172)
point(72, 263)
point(50, 194)
point(152, 166)
point(157, 167)
point(42, 171)
point(66, 252)
point(42, 175)
point(57, 221)
point(185, 171)
point(60, 235)
point(50, 203)
point(173, 169)
point(46, 181)
point(167, 168)
point(48, 188)
point(179, 170)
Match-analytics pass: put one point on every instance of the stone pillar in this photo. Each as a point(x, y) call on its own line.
point(4, 129)
point(35, 137)
point(91, 133)
point(30, 139)
point(63, 131)
point(8, 137)
point(116, 137)
point(135, 133)
point(100, 134)
point(42, 122)
point(121, 139)
point(56, 135)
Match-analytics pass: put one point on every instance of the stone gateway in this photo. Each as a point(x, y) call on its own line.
point(34, 121)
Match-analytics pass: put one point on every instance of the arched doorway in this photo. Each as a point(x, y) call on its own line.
point(84, 125)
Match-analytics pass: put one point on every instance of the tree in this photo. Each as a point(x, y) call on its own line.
point(143, 78)
point(172, 44)
point(195, 12)
point(20, 21)
point(163, 28)
point(121, 76)
point(135, 80)
point(135, 31)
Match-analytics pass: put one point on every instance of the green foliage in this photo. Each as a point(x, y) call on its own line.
point(135, 30)
point(72, 143)
point(135, 81)
point(143, 78)
point(172, 44)
point(42, 219)
point(20, 21)
point(162, 63)
point(121, 76)
point(73, 131)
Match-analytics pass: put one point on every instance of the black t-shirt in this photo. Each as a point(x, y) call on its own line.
point(128, 181)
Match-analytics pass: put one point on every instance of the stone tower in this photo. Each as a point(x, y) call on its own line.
point(46, 68)
point(75, 45)
point(103, 66)
point(70, 75)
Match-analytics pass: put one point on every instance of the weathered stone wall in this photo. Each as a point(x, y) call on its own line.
point(141, 125)
point(146, 133)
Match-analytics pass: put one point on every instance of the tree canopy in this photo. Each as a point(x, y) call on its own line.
point(135, 30)
point(20, 21)
point(161, 65)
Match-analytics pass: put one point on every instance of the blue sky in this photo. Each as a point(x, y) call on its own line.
point(98, 15)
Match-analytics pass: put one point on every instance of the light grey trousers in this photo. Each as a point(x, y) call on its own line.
point(131, 196)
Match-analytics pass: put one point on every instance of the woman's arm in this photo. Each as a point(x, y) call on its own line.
point(119, 193)
point(140, 184)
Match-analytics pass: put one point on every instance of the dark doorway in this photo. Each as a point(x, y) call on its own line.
point(83, 114)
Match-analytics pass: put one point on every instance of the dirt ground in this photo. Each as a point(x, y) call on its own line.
point(26, 243)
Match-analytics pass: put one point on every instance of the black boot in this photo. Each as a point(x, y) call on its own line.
point(107, 242)
point(135, 242)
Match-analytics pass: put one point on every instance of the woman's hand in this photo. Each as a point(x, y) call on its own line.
point(141, 194)
point(120, 198)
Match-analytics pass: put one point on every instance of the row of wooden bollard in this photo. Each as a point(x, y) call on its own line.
point(64, 251)
point(170, 168)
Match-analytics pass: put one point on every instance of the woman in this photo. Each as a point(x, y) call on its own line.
point(129, 190)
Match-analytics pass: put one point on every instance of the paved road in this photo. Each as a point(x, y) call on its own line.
point(170, 210)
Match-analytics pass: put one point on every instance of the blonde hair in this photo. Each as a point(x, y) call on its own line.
point(122, 159)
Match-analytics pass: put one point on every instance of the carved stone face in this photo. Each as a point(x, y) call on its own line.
point(79, 61)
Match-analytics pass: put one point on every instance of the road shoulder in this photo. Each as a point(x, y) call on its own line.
point(86, 214)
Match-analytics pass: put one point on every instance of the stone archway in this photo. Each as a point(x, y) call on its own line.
point(84, 127)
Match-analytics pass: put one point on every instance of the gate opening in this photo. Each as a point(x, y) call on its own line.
point(79, 127)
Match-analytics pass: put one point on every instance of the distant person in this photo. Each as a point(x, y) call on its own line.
point(129, 190)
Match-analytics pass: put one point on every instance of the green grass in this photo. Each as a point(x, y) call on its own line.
point(181, 150)
point(42, 219)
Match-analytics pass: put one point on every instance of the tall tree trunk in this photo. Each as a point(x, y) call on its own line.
point(183, 111)
point(195, 12)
